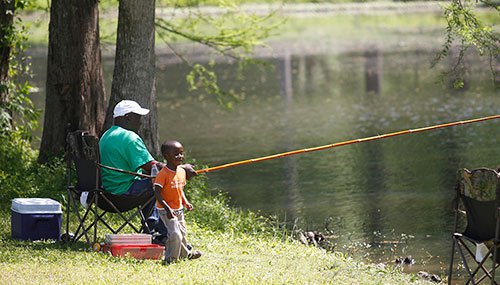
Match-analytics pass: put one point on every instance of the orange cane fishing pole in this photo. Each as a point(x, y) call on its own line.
point(378, 137)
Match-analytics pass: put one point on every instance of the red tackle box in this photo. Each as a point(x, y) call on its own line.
point(142, 251)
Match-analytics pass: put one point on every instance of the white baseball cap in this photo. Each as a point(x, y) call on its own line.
point(128, 106)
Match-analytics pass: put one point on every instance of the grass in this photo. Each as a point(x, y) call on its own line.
point(228, 258)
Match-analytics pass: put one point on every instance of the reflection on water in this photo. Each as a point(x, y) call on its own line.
point(382, 199)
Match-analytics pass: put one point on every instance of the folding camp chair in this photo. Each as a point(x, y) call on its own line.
point(478, 193)
point(83, 151)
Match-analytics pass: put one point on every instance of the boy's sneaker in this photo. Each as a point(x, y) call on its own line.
point(194, 254)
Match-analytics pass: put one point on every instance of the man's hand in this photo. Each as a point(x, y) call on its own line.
point(190, 172)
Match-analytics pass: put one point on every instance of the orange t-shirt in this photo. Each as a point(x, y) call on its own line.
point(172, 184)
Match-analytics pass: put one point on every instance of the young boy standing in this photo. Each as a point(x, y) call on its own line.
point(170, 199)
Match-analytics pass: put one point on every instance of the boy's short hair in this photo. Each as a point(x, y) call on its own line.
point(167, 145)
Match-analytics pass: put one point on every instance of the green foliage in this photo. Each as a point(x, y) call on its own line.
point(17, 113)
point(37, 5)
point(233, 34)
point(18, 118)
point(464, 26)
point(202, 78)
point(21, 176)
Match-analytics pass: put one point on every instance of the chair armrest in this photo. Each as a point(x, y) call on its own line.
point(124, 171)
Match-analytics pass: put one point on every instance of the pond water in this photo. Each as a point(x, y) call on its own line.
point(379, 200)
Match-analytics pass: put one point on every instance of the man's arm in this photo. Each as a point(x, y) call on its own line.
point(190, 172)
point(147, 166)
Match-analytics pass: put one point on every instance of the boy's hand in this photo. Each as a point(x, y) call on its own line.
point(188, 206)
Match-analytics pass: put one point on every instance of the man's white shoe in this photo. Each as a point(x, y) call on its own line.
point(83, 199)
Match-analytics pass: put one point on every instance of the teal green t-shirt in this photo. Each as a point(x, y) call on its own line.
point(123, 149)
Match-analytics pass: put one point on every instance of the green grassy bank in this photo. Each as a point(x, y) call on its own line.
point(228, 258)
point(239, 247)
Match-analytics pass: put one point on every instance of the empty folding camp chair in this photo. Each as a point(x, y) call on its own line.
point(477, 196)
point(83, 152)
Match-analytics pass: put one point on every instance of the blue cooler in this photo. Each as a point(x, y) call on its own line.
point(35, 219)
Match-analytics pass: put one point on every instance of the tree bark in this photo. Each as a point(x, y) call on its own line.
point(134, 71)
point(75, 96)
point(6, 25)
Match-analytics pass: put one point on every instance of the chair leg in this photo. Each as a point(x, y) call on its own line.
point(450, 271)
point(461, 245)
point(487, 273)
point(127, 220)
point(80, 220)
point(93, 209)
point(96, 216)
point(85, 229)
point(144, 224)
point(495, 243)
point(67, 210)
point(464, 260)
point(82, 227)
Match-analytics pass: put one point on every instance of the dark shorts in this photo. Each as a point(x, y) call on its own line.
point(139, 193)
point(139, 187)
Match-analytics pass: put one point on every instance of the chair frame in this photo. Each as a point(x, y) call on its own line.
point(98, 193)
point(465, 244)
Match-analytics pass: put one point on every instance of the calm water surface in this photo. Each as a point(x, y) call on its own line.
point(382, 199)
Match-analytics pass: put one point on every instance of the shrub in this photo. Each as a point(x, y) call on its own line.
point(21, 176)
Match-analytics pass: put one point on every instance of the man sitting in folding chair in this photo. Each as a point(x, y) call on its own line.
point(478, 191)
point(121, 147)
point(83, 154)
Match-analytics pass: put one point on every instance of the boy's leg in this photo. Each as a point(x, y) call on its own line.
point(185, 252)
point(174, 241)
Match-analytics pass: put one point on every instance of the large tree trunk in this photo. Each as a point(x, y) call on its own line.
point(134, 73)
point(6, 23)
point(75, 97)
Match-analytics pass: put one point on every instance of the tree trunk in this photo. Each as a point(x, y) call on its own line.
point(134, 73)
point(6, 25)
point(75, 97)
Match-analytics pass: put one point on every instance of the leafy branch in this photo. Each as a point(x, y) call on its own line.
point(463, 25)
point(232, 35)
point(17, 112)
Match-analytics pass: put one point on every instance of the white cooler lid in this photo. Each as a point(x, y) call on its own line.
point(36, 206)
